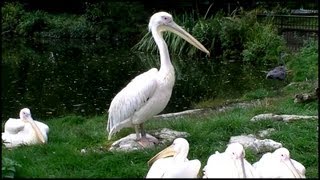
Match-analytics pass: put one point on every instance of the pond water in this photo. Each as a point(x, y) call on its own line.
point(60, 77)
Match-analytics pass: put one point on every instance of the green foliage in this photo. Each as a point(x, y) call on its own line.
point(239, 36)
point(109, 15)
point(8, 169)
point(100, 20)
point(304, 65)
point(68, 26)
point(11, 16)
point(32, 23)
point(263, 45)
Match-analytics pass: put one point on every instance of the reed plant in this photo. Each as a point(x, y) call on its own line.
point(238, 36)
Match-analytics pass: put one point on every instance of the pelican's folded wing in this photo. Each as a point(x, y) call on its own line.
point(13, 126)
point(132, 98)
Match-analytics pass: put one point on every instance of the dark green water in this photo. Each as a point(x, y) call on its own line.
point(59, 77)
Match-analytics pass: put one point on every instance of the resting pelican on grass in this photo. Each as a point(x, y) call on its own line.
point(279, 165)
point(148, 93)
point(229, 164)
point(177, 166)
point(24, 131)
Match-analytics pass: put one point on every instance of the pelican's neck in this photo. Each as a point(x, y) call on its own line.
point(181, 156)
point(163, 50)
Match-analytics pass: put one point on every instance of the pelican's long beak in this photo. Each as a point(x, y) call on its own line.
point(169, 151)
point(240, 167)
point(173, 27)
point(36, 129)
point(291, 167)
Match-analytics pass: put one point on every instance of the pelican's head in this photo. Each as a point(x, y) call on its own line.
point(236, 150)
point(163, 21)
point(237, 153)
point(180, 146)
point(283, 155)
point(25, 114)
point(160, 18)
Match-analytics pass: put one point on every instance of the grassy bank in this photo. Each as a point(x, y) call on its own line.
point(62, 157)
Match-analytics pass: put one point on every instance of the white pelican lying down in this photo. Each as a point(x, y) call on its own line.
point(229, 164)
point(279, 165)
point(177, 166)
point(24, 131)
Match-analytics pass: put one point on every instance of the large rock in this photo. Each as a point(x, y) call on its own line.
point(163, 136)
point(167, 135)
point(264, 133)
point(129, 143)
point(283, 117)
point(257, 145)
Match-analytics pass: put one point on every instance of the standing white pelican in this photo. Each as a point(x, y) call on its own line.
point(24, 131)
point(177, 166)
point(229, 164)
point(148, 93)
point(279, 165)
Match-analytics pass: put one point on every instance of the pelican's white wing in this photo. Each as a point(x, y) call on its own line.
point(22, 137)
point(270, 167)
point(299, 167)
point(264, 166)
point(159, 167)
point(13, 126)
point(130, 99)
point(167, 168)
point(187, 169)
point(220, 165)
point(250, 171)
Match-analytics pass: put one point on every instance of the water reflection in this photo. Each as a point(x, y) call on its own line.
point(59, 77)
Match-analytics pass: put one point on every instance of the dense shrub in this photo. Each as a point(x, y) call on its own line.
point(263, 45)
point(118, 21)
point(236, 37)
point(304, 64)
point(32, 23)
point(11, 17)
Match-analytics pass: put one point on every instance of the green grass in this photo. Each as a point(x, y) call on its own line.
point(62, 157)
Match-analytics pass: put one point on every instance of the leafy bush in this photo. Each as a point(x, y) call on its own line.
point(100, 20)
point(9, 167)
point(264, 44)
point(32, 22)
point(304, 65)
point(238, 37)
point(11, 16)
point(121, 19)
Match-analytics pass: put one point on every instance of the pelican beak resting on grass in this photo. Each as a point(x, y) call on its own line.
point(177, 166)
point(24, 131)
point(148, 93)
